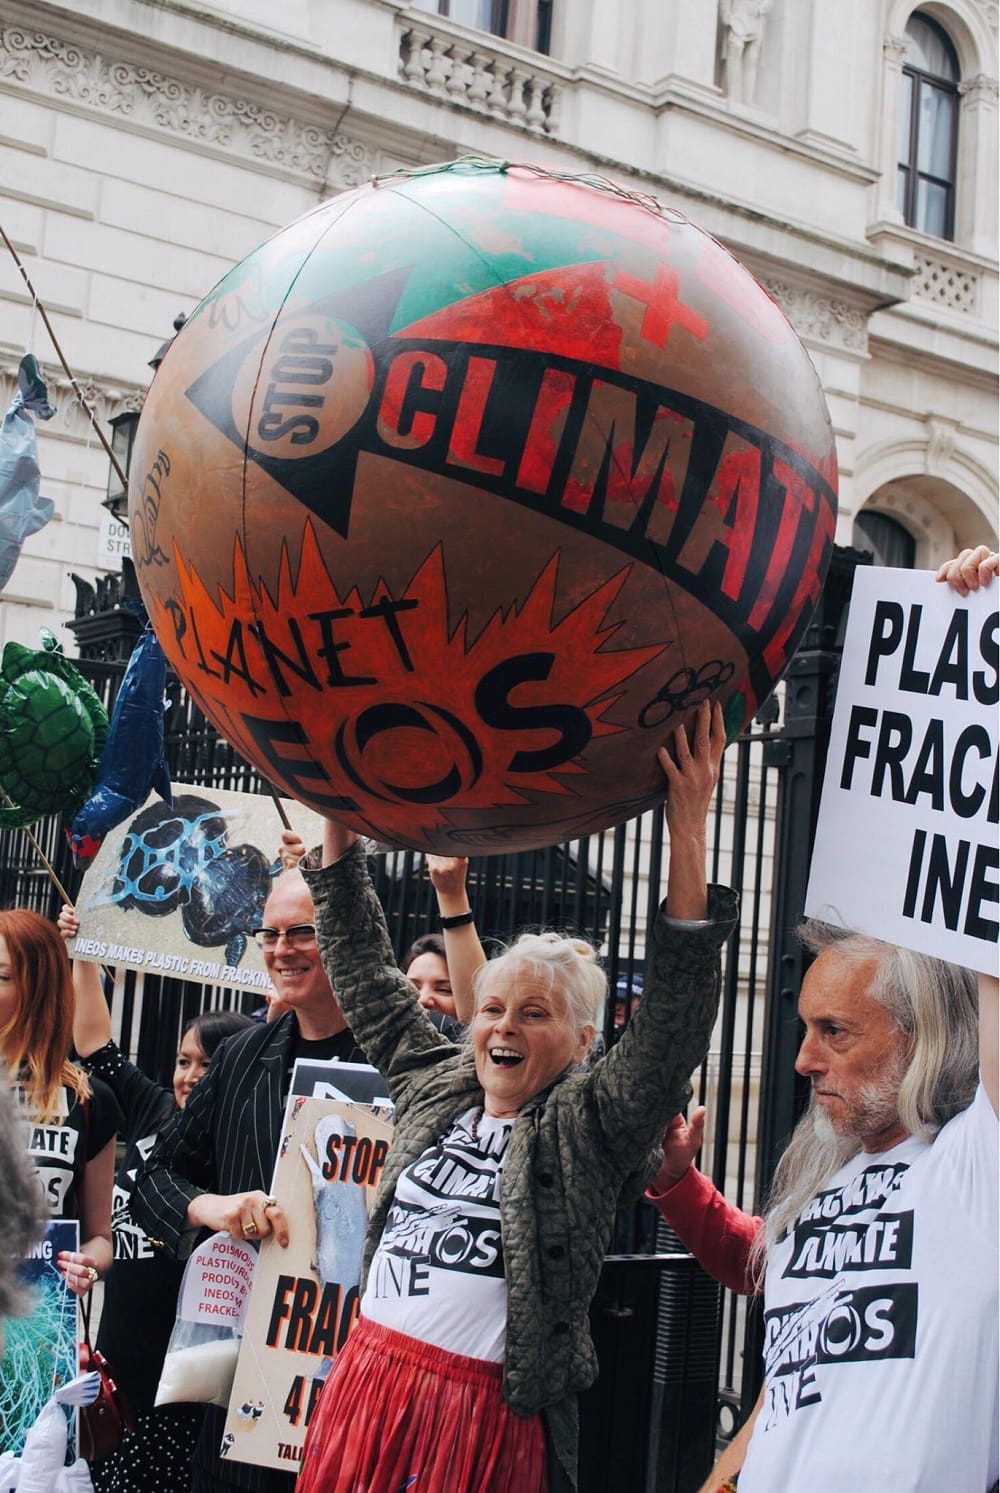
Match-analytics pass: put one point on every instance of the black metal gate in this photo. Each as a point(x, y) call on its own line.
point(678, 1355)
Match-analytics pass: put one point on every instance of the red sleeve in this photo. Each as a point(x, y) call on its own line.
point(717, 1233)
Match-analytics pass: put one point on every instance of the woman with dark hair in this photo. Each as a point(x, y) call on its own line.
point(426, 967)
point(70, 1121)
point(140, 1297)
point(426, 964)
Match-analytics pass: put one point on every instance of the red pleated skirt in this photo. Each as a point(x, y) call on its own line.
point(399, 1416)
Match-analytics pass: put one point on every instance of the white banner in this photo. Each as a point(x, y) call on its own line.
point(176, 890)
point(907, 845)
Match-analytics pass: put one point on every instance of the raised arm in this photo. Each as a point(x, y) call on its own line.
point(968, 571)
point(337, 841)
point(91, 1016)
point(463, 951)
point(692, 772)
point(291, 850)
point(379, 1002)
point(644, 1078)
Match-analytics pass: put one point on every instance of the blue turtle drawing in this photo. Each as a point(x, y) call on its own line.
point(178, 857)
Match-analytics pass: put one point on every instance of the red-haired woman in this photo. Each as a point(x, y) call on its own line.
point(154, 1457)
point(70, 1120)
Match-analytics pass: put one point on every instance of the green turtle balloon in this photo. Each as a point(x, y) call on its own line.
point(459, 494)
point(52, 732)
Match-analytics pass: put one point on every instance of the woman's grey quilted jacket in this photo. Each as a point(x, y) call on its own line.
point(577, 1149)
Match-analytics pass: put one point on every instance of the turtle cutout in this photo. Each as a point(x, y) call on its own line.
point(178, 856)
point(53, 729)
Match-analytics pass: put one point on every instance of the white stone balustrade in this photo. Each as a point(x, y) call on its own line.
point(485, 80)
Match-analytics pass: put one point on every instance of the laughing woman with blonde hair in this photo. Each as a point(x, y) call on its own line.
point(510, 1155)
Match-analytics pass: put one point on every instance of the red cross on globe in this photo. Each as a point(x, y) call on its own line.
point(453, 499)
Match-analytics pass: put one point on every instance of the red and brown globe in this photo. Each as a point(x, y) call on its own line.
point(452, 500)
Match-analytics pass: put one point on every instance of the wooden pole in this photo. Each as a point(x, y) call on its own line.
point(66, 368)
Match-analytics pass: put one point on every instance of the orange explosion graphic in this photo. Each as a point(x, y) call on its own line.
point(378, 702)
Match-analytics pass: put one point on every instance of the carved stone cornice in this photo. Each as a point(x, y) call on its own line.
point(895, 48)
point(942, 439)
point(227, 122)
point(823, 318)
point(982, 89)
point(105, 397)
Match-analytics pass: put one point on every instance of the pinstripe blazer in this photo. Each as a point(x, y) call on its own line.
point(225, 1140)
point(226, 1137)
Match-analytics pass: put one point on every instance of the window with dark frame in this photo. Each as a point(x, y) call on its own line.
point(526, 21)
point(885, 536)
point(928, 129)
point(543, 26)
point(483, 15)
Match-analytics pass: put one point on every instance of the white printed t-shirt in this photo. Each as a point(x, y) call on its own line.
point(880, 1325)
point(438, 1272)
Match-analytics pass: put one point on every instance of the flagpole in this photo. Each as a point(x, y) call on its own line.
point(66, 368)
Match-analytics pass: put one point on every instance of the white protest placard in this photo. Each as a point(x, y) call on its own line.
point(907, 843)
point(176, 889)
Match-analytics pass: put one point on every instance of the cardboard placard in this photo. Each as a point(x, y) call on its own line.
point(305, 1297)
point(176, 891)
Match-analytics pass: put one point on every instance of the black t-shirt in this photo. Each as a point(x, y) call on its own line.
point(143, 1284)
point(341, 1046)
point(60, 1149)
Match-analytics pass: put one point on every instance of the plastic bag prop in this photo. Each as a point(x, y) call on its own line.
point(22, 511)
point(39, 1468)
point(132, 762)
point(201, 1356)
point(341, 1213)
point(53, 729)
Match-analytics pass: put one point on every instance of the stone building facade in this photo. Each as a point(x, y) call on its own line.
point(845, 150)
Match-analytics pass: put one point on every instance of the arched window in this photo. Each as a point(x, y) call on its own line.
point(928, 129)
point(889, 542)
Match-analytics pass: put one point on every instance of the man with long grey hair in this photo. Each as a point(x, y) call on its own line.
point(878, 1248)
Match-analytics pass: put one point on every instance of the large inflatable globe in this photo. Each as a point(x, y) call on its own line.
point(452, 500)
